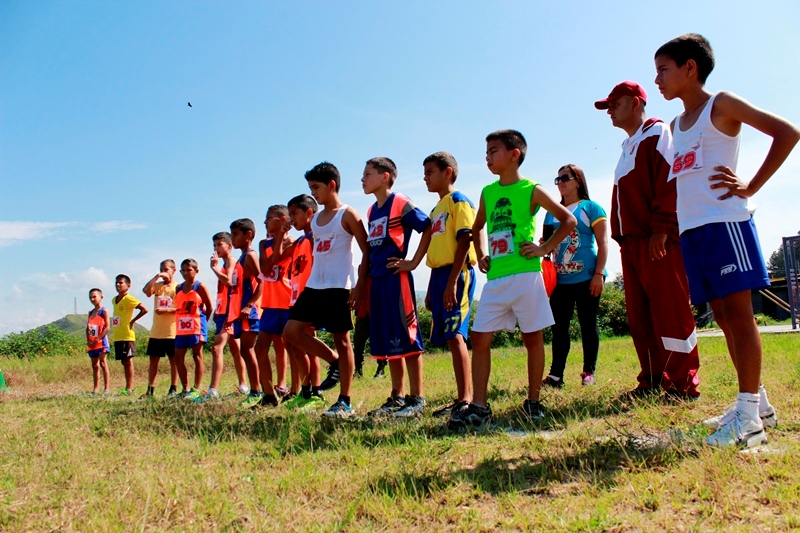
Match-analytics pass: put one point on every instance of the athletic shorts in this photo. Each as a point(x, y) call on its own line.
point(723, 258)
point(448, 324)
point(516, 298)
point(273, 321)
point(394, 330)
point(161, 347)
point(219, 324)
point(242, 326)
point(326, 309)
point(97, 353)
point(187, 341)
point(124, 350)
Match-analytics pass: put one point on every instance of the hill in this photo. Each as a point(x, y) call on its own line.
point(76, 325)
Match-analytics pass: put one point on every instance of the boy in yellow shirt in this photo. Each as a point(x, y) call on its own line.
point(122, 322)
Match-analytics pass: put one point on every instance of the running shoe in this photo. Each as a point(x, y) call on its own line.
point(210, 396)
point(333, 377)
point(380, 372)
point(125, 392)
point(193, 394)
point(473, 416)
point(639, 393)
point(769, 419)
point(251, 400)
point(391, 405)
point(292, 400)
point(413, 408)
point(448, 410)
point(533, 409)
point(551, 381)
point(310, 404)
point(339, 410)
point(587, 378)
point(281, 392)
point(172, 393)
point(740, 431)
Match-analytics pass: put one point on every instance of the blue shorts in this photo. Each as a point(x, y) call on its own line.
point(394, 330)
point(187, 341)
point(219, 322)
point(241, 326)
point(723, 258)
point(98, 352)
point(273, 321)
point(448, 324)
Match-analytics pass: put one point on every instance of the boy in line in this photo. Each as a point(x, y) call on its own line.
point(394, 329)
point(161, 288)
point(718, 237)
point(275, 297)
point(645, 225)
point(326, 301)
point(301, 210)
point(223, 320)
point(451, 257)
point(515, 289)
point(97, 326)
point(245, 300)
point(122, 323)
point(192, 307)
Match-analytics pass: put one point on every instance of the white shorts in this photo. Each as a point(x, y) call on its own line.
point(518, 297)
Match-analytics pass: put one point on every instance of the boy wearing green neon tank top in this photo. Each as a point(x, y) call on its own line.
point(515, 289)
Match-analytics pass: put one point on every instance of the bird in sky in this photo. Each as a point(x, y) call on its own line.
point(190, 104)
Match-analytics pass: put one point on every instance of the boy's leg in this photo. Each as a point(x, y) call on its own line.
point(247, 343)
point(461, 367)
point(103, 363)
point(173, 371)
point(199, 366)
point(346, 361)
point(481, 366)
point(295, 333)
point(152, 371)
point(314, 371)
point(397, 370)
point(534, 345)
point(95, 373)
point(562, 304)
point(360, 337)
point(127, 366)
point(587, 318)
point(279, 346)
point(299, 366)
point(734, 314)
point(238, 362)
point(180, 366)
point(217, 363)
point(414, 367)
point(264, 364)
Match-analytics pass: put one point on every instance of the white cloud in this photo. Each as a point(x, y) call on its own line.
point(13, 232)
point(116, 225)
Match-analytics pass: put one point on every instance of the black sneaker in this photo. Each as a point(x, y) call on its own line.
point(471, 416)
point(639, 393)
point(678, 396)
point(381, 370)
point(391, 405)
point(533, 409)
point(555, 383)
point(414, 407)
point(333, 377)
point(448, 410)
point(268, 400)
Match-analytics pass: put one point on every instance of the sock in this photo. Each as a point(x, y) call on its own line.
point(554, 378)
point(345, 399)
point(150, 390)
point(397, 395)
point(763, 402)
point(305, 391)
point(748, 403)
point(173, 388)
point(212, 391)
point(316, 391)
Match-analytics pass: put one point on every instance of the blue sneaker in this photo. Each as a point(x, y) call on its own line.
point(339, 410)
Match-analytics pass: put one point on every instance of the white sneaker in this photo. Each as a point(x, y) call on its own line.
point(768, 419)
point(740, 430)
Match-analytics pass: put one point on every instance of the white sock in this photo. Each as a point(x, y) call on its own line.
point(554, 378)
point(763, 402)
point(748, 403)
point(212, 391)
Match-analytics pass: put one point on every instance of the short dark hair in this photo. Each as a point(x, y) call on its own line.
point(280, 208)
point(580, 177)
point(223, 236)
point(123, 277)
point(443, 160)
point(325, 173)
point(690, 46)
point(95, 290)
point(166, 262)
point(244, 225)
point(304, 202)
point(511, 139)
point(190, 262)
point(384, 164)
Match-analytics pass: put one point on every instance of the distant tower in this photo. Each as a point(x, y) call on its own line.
point(76, 305)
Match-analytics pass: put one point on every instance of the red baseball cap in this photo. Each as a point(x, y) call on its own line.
point(626, 88)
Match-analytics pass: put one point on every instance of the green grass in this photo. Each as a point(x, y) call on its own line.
point(71, 462)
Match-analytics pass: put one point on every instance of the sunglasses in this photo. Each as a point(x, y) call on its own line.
point(563, 178)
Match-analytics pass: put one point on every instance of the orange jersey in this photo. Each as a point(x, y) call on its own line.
point(223, 297)
point(189, 315)
point(276, 289)
point(302, 259)
point(96, 324)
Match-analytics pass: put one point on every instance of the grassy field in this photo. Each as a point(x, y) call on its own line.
point(72, 462)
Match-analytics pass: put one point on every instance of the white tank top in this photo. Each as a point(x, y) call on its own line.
point(697, 151)
point(333, 255)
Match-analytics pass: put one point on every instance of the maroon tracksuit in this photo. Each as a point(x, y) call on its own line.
point(656, 292)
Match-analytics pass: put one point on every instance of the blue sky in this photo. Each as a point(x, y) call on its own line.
point(105, 169)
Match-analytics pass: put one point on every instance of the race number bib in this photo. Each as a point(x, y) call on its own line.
point(218, 306)
point(295, 293)
point(377, 228)
point(323, 245)
point(234, 278)
point(439, 224)
point(93, 331)
point(185, 326)
point(115, 321)
point(164, 301)
point(501, 243)
point(690, 160)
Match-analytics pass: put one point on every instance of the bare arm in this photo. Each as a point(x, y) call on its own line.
point(251, 269)
point(353, 224)
point(142, 311)
point(462, 249)
point(404, 265)
point(224, 274)
point(282, 245)
point(205, 295)
point(567, 223)
point(601, 236)
point(477, 237)
point(150, 286)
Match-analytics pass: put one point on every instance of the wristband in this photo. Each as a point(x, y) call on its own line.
point(598, 273)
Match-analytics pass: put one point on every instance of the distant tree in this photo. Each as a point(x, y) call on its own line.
point(776, 265)
point(618, 282)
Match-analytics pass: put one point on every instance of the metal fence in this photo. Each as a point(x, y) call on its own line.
point(790, 247)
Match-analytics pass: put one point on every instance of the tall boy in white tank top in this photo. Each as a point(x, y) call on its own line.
point(327, 299)
point(718, 238)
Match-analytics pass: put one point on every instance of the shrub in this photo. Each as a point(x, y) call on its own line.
point(33, 343)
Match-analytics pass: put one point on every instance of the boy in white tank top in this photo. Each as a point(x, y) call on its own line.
point(718, 239)
point(327, 299)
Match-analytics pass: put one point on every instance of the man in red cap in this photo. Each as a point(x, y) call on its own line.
point(645, 224)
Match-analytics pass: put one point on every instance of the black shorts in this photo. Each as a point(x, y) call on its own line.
point(124, 350)
point(325, 309)
point(161, 347)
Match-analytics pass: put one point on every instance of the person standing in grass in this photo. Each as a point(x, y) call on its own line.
point(451, 257)
point(644, 224)
point(162, 335)
point(715, 218)
point(515, 288)
point(327, 299)
point(394, 328)
point(580, 269)
point(122, 328)
point(97, 327)
point(192, 307)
